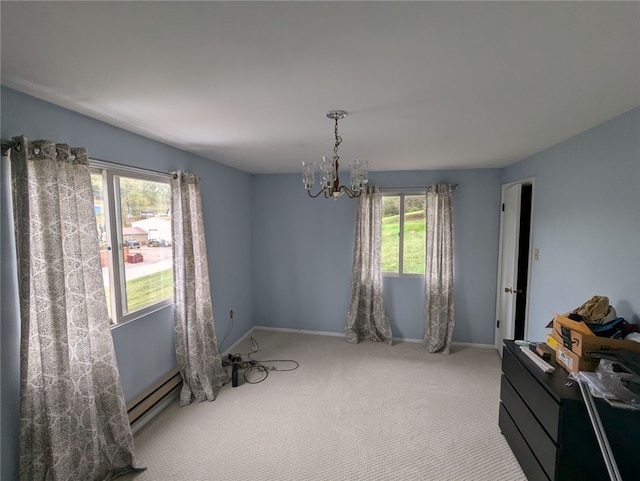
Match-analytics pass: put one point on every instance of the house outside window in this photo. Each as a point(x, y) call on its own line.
point(403, 234)
point(133, 225)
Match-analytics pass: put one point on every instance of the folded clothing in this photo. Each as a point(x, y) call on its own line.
point(615, 329)
point(595, 308)
point(595, 311)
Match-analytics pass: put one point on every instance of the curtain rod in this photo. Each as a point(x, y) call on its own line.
point(9, 144)
point(127, 168)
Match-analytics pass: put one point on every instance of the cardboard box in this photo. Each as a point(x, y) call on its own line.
point(571, 362)
point(577, 337)
point(545, 352)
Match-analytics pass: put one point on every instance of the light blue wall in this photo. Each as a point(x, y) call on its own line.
point(586, 221)
point(144, 347)
point(303, 250)
point(281, 259)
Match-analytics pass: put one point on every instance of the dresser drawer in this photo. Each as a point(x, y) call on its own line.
point(528, 462)
point(543, 448)
point(543, 406)
point(530, 397)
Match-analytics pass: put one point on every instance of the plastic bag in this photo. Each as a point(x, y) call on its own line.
point(621, 383)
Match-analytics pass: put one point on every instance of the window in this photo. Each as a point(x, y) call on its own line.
point(403, 234)
point(134, 230)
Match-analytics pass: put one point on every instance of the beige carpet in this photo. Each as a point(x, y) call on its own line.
point(349, 412)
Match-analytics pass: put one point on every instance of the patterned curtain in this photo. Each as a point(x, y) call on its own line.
point(438, 285)
point(196, 345)
point(74, 421)
point(367, 318)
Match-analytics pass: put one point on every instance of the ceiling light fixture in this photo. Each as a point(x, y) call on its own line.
point(330, 184)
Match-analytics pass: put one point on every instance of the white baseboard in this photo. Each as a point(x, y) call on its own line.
point(231, 348)
point(298, 331)
point(472, 344)
point(407, 339)
point(341, 334)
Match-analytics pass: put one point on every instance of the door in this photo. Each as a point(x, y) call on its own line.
point(510, 247)
point(514, 262)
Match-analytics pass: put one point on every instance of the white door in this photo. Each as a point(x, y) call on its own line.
point(507, 286)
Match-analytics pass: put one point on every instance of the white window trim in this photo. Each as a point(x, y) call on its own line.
point(402, 193)
point(112, 220)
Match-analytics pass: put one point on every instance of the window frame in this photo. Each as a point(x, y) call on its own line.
point(402, 193)
point(113, 219)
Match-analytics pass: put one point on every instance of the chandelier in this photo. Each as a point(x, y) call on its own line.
point(330, 184)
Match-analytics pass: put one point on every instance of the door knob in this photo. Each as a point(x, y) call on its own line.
point(510, 290)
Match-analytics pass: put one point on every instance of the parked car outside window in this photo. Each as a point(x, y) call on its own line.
point(134, 244)
point(159, 243)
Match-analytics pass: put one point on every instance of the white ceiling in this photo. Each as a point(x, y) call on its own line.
point(428, 85)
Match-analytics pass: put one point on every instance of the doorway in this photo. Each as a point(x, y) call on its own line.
point(514, 261)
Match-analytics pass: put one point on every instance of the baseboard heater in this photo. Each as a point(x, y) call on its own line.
point(144, 402)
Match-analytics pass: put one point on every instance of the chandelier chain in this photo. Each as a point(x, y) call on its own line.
point(338, 142)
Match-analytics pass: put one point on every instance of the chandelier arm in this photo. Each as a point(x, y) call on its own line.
point(349, 192)
point(316, 195)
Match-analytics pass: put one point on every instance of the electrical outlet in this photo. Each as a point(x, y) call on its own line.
point(231, 313)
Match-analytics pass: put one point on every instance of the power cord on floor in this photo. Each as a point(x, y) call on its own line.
point(251, 366)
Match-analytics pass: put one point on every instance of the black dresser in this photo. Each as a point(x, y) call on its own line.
point(548, 429)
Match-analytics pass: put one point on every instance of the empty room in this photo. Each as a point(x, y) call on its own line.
point(315, 240)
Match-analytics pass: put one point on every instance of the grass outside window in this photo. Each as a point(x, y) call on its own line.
point(146, 290)
point(149, 289)
point(403, 234)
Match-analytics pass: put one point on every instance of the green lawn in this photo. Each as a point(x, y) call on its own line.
point(149, 289)
point(414, 243)
point(390, 241)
